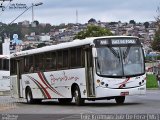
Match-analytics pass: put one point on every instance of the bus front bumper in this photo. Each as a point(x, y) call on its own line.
point(109, 92)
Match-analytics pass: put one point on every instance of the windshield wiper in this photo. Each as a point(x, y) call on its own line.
point(114, 52)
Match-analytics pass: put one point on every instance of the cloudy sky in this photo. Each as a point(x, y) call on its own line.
point(64, 11)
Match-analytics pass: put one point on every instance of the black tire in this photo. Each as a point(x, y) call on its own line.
point(120, 99)
point(30, 99)
point(77, 96)
point(64, 100)
point(29, 96)
point(37, 101)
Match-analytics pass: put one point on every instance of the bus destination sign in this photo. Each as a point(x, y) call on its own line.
point(108, 42)
point(123, 41)
point(103, 42)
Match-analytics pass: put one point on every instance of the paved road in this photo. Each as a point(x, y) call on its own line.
point(146, 104)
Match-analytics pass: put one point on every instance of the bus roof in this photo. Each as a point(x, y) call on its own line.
point(4, 56)
point(74, 43)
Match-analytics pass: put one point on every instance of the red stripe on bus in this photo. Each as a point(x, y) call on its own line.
point(124, 82)
point(43, 79)
point(46, 92)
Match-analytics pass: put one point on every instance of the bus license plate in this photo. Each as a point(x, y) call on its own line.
point(124, 93)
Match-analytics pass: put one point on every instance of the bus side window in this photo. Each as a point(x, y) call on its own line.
point(59, 60)
point(65, 58)
point(31, 70)
point(26, 69)
point(73, 58)
point(53, 61)
point(59, 65)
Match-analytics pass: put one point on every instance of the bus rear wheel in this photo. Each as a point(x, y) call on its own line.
point(30, 99)
point(29, 96)
point(77, 96)
point(120, 99)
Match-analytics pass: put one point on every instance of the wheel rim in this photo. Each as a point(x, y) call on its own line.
point(28, 97)
point(76, 96)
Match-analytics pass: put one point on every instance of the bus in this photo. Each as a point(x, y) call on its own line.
point(4, 73)
point(96, 68)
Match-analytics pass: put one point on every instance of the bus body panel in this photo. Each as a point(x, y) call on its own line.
point(4, 80)
point(57, 84)
point(93, 82)
point(4, 74)
point(107, 92)
point(14, 86)
point(106, 87)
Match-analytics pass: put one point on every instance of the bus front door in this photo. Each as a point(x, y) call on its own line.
point(89, 73)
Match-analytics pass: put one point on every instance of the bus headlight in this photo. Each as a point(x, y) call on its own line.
point(98, 81)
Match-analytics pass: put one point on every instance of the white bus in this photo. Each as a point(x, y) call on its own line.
point(4, 73)
point(110, 67)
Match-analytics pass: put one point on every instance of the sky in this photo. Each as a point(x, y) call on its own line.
point(56, 12)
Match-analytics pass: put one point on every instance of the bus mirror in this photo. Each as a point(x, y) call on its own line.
point(94, 52)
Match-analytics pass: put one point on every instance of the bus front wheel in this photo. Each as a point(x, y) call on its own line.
point(65, 100)
point(77, 96)
point(120, 99)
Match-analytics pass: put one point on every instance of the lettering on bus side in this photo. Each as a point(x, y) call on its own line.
point(64, 77)
point(27, 82)
point(5, 77)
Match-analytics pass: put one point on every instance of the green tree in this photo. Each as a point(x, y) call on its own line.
point(156, 42)
point(146, 24)
point(132, 22)
point(93, 31)
point(41, 45)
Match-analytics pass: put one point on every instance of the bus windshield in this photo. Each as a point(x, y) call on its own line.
point(120, 61)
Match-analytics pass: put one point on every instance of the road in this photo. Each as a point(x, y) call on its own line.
point(146, 104)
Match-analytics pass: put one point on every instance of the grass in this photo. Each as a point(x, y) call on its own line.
point(151, 81)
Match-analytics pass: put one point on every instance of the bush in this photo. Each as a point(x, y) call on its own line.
point(151, 81)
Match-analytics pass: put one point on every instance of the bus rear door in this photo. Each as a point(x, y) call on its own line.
point(16, 86)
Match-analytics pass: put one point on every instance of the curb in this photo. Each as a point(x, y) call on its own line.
point(152, 89)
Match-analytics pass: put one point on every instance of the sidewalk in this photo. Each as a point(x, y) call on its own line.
point(5, 93)
point(6, 102)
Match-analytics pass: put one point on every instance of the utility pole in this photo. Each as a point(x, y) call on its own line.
point(32, 13)
point(76, 17)
point(37, 4)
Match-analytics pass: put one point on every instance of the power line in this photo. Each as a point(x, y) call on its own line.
point(37, 4)
point(76, 16)
point(6, 0)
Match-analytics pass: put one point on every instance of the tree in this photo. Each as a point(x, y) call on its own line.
point(41, 45)
point(93, 31)
point(132, 22)
point(156, 42)
point(146, 24)
point(36, 22)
